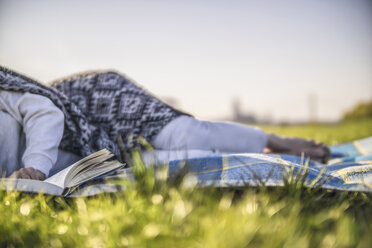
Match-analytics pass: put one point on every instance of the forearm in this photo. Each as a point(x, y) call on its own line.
point(42, 123)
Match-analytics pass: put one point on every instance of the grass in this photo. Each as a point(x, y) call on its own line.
point(328, 133)
point(154, 213)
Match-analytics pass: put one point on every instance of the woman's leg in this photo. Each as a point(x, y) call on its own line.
point(188, 133)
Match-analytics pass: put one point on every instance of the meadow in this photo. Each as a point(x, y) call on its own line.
point(156, 213)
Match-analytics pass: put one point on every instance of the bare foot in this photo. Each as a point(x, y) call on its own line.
point(297, 146)
point(267, 150)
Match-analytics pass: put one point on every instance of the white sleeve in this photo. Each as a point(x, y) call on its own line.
point(42, 123)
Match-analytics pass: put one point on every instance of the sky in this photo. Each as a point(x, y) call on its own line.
point(271, 55)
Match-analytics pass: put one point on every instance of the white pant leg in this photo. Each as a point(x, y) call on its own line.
point(188, 133)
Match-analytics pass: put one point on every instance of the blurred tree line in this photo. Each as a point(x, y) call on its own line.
point(362, 110)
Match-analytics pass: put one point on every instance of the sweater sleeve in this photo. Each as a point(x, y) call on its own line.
point(42, 124)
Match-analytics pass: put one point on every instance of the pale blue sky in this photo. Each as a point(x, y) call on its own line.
point(270, 54)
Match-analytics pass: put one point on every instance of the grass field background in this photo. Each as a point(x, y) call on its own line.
point(167, 214)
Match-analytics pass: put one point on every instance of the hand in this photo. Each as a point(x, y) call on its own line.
point(28, 173)
point(297, 146)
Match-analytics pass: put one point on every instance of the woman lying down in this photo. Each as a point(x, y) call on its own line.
point(45, 129)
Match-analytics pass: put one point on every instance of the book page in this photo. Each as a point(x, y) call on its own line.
point(28, 185)
point(93, 172)
point(87, 165)
point(61, 178)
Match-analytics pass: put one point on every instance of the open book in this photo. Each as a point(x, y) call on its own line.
point(66, 181)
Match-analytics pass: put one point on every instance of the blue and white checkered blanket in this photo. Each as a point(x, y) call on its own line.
point(350, 169)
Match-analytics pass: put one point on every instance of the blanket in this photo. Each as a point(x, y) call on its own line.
point(350, 169)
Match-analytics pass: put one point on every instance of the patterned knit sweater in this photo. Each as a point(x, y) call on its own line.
point(100, 108)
